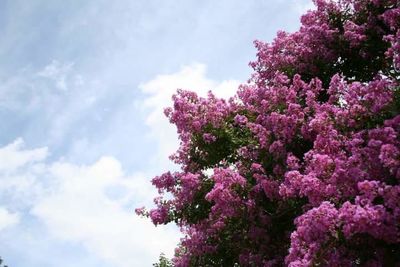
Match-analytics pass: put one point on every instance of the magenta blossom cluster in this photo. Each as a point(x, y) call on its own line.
point(302, 166)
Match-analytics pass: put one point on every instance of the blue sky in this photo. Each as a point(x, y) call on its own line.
point(82, 88)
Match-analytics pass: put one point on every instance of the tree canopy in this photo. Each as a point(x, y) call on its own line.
point(302, 166)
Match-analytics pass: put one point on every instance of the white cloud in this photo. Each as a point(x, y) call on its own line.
point(301, 7)
point(159, 92)
point(7, 218)
point(92, 205)
point(12, 156)
point(81, 209)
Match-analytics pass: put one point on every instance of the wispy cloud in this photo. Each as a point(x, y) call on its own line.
point(58, 73)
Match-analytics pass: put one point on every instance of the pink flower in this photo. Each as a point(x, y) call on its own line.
point(209, 138)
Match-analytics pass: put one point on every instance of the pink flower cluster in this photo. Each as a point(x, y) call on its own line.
point(302, 166)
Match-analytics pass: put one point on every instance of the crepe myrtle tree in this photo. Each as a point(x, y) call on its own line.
point(302, 166)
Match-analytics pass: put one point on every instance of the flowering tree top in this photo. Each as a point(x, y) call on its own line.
point(302, 166)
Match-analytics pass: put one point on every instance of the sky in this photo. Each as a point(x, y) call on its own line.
point(83, 85)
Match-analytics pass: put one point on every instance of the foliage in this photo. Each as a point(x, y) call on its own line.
point(302, 166)
point(163, 262)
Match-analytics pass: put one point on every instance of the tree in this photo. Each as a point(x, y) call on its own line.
point(302, 166)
